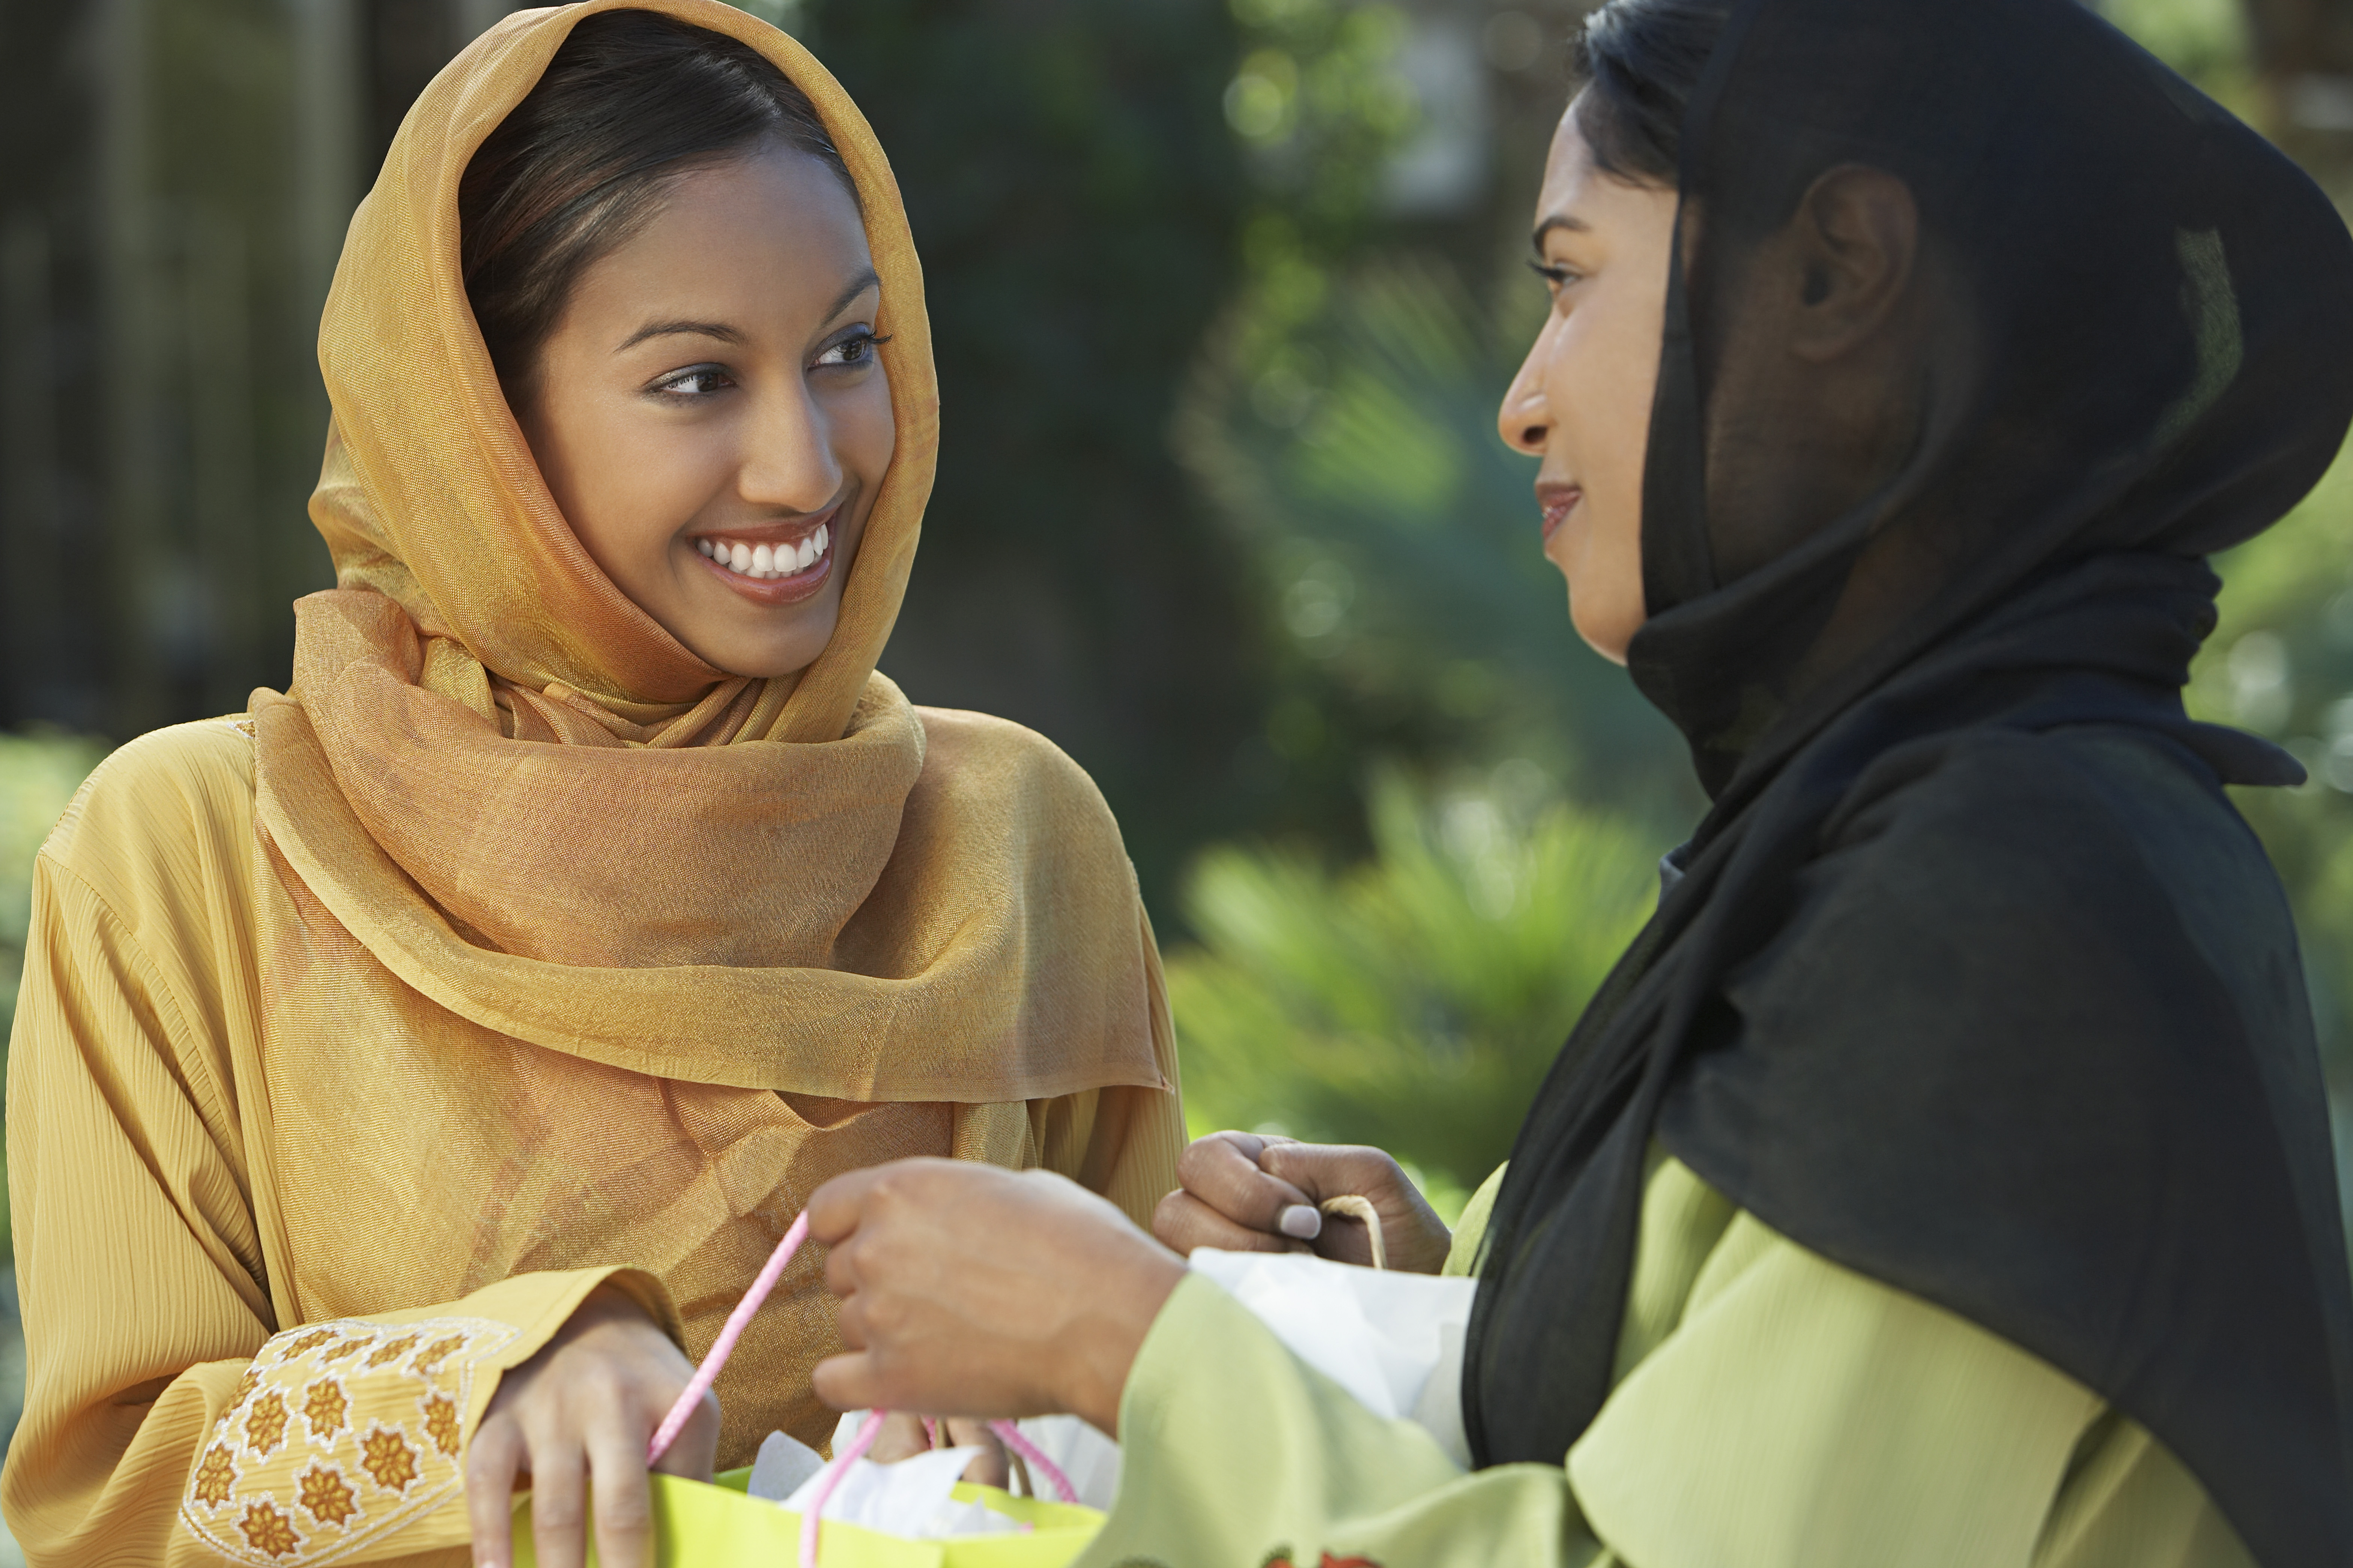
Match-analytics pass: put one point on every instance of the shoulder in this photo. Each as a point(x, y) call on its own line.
point(2103, 824)
point(175, 805)
point(2010, 789)
point(978, 756)
point(2094, 891)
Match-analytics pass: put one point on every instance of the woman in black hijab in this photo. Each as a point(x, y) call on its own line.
point(1942, 1177)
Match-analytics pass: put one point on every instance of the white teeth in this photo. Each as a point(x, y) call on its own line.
point(764, 561)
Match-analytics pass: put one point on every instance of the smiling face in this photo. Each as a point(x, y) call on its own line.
point(1582, 400)
point(710, 413)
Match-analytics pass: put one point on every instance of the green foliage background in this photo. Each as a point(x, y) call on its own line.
point(1221, 509)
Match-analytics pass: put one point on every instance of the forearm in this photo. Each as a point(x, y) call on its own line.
point(346, 1437)
point(1236, 1452)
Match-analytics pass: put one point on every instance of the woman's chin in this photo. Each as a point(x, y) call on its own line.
point(757, 658)
point(1606, 631)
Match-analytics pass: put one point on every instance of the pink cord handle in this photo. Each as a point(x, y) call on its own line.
point(737, 1322)
point(1035, 1457)
point(830, 1479)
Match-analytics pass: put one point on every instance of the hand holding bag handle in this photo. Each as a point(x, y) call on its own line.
point(740, 1319)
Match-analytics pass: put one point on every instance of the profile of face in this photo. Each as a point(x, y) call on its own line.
point(1582, 400)
point(711, 412)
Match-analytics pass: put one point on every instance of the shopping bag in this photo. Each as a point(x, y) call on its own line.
point(716, 1525)
point(1393, 1340)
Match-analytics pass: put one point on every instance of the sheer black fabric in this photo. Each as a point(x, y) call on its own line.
point(1975, 981)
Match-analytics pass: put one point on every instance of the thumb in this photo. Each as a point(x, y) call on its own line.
point(836, 1208)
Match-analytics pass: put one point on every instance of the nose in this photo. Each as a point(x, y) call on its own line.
point(1525, 419)
point(788, 461)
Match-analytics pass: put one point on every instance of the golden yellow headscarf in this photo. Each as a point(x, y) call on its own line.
point(544, 813)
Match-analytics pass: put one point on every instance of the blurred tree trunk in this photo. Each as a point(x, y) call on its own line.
point(2304, 61)
point(2301, 37)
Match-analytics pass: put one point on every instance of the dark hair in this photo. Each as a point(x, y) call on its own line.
point(630, 101)
point(1637, 62)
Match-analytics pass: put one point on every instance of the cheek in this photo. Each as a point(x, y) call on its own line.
point(625, 480)
point(866, 433)
point(1600, 388)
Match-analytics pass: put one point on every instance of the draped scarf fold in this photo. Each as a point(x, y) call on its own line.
point(540, 810)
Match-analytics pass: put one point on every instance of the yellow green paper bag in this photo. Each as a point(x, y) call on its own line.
point(717, 1526)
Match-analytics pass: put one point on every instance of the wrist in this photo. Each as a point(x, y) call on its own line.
point(1119, 1314)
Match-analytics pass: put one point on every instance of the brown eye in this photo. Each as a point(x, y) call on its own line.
point(852, 351)
point(699, 381)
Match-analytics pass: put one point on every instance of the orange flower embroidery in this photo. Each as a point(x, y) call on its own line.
point(245, 1386)
point(268, 1530)
point(438, 1352)
point(309, 1343)
point(216, 1477)
point(393, 1350)
point(324, 1408)
point(348, 1348)
point(441, 1422)
point(328, 1496)
point(265, 1425)
point(388, 1458)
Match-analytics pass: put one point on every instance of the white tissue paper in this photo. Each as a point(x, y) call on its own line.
point(783, 1463)
point(913, 1497)
point(1087, 1458)
point(1393, 1340)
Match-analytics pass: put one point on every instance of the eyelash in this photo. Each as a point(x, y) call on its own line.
point(865, 342)
point(1555, 274)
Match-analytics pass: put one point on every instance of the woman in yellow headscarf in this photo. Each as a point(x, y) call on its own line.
point(410, 1075)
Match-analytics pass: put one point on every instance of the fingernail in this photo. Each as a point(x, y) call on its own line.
point(1300, 1220)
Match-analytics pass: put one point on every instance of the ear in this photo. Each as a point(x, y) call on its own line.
point(1856, 235)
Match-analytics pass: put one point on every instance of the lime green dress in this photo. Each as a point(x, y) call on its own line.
point(1770, 1410)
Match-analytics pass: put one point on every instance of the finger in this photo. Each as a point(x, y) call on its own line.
point(988, 1468)
point(1222, 1171)
point(623, 1499)
point(1183, 1222)
point(849, 1383)
point(695, 1451)
point(841, 1269)
point(834, 1208)
point(1346, 1238)
point(1334, 1170)
point(558, 1478)
point(849, 1323)
point(902, 1437)
point(492, 1459)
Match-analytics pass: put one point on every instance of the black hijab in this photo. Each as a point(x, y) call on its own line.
point(1973, 981)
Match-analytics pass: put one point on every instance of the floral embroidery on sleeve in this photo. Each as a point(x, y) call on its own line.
point(339, 1434)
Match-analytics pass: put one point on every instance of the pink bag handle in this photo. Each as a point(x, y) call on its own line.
point(830, 1479)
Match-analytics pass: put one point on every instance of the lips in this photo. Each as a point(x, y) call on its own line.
point(1557, 501)
point(774, 563)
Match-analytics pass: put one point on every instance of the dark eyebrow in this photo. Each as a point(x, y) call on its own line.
point(1557, 220)
point(720, 330)
point(867, 280)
